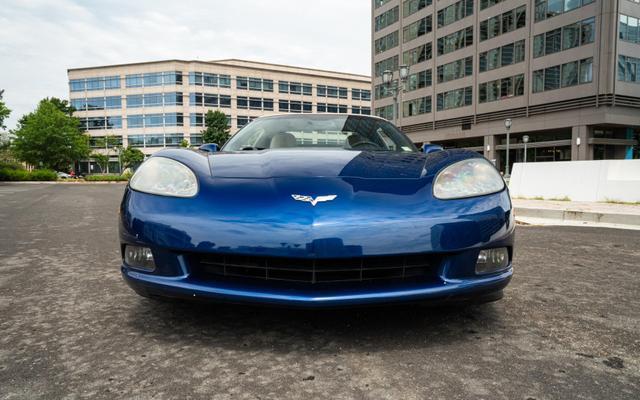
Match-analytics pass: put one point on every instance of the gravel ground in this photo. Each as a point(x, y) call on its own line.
point(568, 327)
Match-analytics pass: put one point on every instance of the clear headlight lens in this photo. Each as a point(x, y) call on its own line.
point(166, 177)
point(467, 178)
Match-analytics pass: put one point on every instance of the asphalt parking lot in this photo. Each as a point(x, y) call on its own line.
point(568, 327)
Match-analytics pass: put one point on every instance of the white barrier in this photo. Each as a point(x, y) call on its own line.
point(605, 180)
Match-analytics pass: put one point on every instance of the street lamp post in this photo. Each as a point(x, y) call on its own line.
point(395, 87)
point(525, 140)
point(507, 124)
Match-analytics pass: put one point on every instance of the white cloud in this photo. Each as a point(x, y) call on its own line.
point(40, 40)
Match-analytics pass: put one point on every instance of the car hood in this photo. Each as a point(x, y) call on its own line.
point(317, 163)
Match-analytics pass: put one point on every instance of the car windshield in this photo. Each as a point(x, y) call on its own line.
point(318, 131)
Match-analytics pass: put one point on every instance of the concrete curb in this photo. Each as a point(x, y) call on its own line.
point(574, 216)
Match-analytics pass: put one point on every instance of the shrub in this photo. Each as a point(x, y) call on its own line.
point(7, 174)
point(10, 165)
point(107, 178)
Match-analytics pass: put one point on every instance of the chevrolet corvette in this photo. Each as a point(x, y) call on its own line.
point(317, 210)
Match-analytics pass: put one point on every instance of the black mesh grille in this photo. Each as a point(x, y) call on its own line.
point(315, 271)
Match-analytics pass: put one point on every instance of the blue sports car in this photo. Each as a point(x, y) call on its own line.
point(317, 210)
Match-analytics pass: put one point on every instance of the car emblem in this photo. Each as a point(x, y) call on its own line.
point(310, 199)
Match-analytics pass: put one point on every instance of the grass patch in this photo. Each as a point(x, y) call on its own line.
point(17, 175)
point(626, 203)
point(565, 198)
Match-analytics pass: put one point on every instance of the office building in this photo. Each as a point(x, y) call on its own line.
point(152, 105)
point(566, 72)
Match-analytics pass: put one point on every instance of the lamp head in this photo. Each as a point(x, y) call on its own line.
point(387, 76)
point(404, 72)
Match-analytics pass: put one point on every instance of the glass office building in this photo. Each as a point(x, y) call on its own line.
point(567, 72)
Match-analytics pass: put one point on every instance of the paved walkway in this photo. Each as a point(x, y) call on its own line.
point(553, 212)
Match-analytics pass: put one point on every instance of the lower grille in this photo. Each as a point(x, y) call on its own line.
point(315, 271)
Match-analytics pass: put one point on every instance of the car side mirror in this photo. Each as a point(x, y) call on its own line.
point(431, 148)
point(210, 147)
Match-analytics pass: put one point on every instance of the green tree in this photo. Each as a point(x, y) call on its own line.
point(49, 138)
point(4, 111)
point(62, 105)
point(108, 143)
point(217, 130)
point(102, 160)
point(132, 157)
point(184, 143)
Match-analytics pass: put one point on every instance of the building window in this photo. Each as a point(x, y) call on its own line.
point(503, 23)
point(154, 79)
point(416, 29)
point(455, 98)
point(295, 88)
point(546, 9)
point(361, 94)
point(361, 110)
point(629, 28)
point(332, 91)
point(258, 84)
point(488, 3)
point(135, 140)
point(173, 139)
point(379, 3)
point(567, 37)
point(455, 12)
point(455, 70)
point(96, 103)
point(154, 120)
point(244, 120)
point(211, 80)
point(381, 91)
point(209, 100)
point(501, 89)
point(101, 83)
point(95, 123)
point(628, 69)
point(386, 42)
point(385, 112)
point(154, 100)
point(565, 75)
point(509, 54)
point(418, 54)
point(390, 63)
point(455, 41)
point(195, 139)
point(332, 108)
point(417, 106)
point(386, 18)
point(294, 106)
point(254, 103)
point(413, 6)
point(419, 80)
point(197, 120)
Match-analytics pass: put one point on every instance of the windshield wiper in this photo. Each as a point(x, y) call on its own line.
point(251, 148)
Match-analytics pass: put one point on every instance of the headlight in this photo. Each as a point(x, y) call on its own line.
point(467, 178)
point(166, 177)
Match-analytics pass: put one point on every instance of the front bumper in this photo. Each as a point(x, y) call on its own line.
point(184, 287)
point(455, 232)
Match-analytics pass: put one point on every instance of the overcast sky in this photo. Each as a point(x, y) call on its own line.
point(40, 40)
